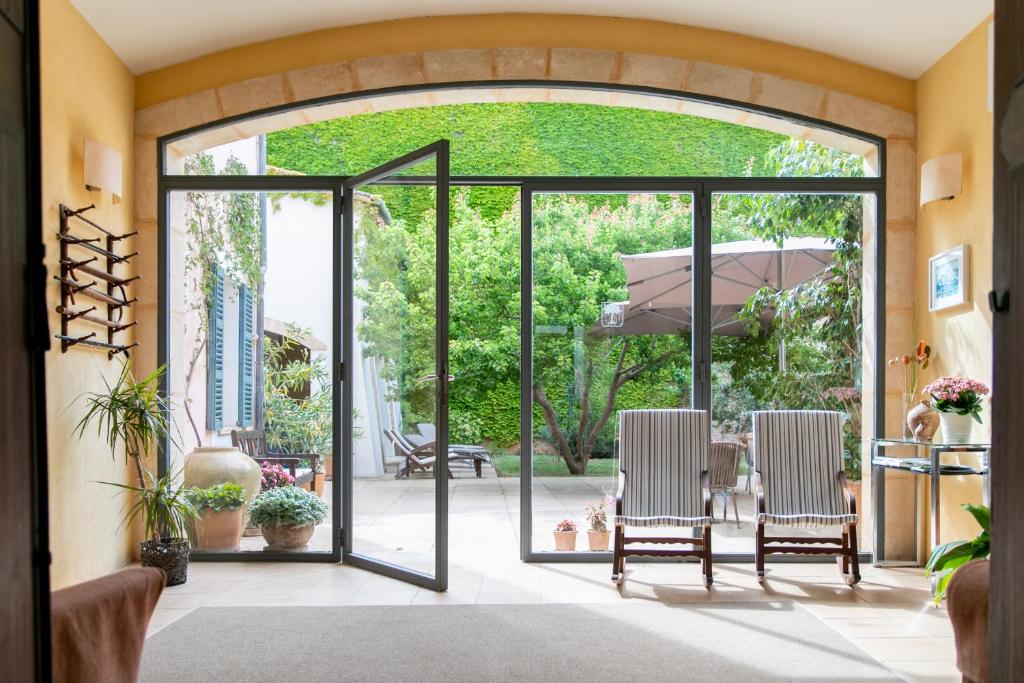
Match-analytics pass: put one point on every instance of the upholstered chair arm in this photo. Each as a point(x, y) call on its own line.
point(619, 493)
point(847, 491)
point(759, 492)
point(705, 490)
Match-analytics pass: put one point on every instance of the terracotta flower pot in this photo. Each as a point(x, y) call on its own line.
point(287, 537)
point(318, 484)
point(565, 540)
point(209, 466)
point(219, 529)
point(328, 468)
point(598, 540)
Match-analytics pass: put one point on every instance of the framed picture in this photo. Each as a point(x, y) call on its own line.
point(947, 278)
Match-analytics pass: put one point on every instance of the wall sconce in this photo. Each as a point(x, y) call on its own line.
point(103, 169)
point(942, 177)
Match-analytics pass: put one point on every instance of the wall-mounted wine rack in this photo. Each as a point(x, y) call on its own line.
point(88, 270)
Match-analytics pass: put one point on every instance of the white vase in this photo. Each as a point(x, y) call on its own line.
point(956, 428)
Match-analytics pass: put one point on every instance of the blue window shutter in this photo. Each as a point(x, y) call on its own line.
point(246, 354)
point(215, 355)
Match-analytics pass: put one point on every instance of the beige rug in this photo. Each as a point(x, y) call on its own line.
point(733, 642)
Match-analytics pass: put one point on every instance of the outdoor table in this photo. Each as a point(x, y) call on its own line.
point(928, 466)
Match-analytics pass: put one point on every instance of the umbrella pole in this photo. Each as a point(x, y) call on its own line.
point(782, 317)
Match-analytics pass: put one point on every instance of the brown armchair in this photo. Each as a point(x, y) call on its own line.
point(254, 444)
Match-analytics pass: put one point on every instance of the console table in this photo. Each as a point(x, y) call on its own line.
point(926, 463)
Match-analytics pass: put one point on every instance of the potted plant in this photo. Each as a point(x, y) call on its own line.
point(220, 509)
point(958, 401)
point(597, 517)
point(272, 475)
point(565, 535)
point(948, 557)
point(287, 516)
point(912, 366)
point(134, 415)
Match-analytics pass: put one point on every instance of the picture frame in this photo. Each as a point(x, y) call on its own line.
point(948, 278)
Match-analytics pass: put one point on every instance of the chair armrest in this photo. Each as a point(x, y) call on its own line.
point(618, 494)
point(759, 492)
point(845, 485)
point(705, 490)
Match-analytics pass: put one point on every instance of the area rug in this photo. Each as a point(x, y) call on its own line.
point(733, 642)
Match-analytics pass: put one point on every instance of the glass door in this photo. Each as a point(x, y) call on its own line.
point(394, 373)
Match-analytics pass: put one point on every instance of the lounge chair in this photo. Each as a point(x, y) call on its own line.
point(725, 476)
point(423, 457)
point(800, 482)
point(663, 481)
point(254, 444)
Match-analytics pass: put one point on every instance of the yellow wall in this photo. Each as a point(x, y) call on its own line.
point(522, 30)
point(86, 92)
point(952, 116)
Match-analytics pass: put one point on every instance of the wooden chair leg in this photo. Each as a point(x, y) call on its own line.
point(854, 577)
point(618, 561)
point(759, 553)
point(478, 466)
point(735, 509)
point(706, 560)
point(844, 557)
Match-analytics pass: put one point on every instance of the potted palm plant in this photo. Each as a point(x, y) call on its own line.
point(220, 522)
point(287, 516)
point(134, 415)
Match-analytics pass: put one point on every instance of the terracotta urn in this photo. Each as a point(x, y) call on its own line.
point(219, 529)
point(598, 540)
point(210, 465)
point(287, 537)
point(565, 540)
point(923, 421)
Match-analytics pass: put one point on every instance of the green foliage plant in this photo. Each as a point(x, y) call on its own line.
point(165, 508)
point(947, 558)
point(226, 496)
point(288, 506)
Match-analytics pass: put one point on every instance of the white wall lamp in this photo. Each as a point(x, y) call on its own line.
point(942, 177)
point(103, 169)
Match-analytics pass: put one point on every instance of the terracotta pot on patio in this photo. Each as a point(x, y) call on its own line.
point(318, 484)
point(328, 468)
point(287, 537)
point(565, 540)
point(219, 530)
point(598, 540)
point(210, 465)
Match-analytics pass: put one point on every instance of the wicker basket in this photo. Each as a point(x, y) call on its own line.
point(169, 555)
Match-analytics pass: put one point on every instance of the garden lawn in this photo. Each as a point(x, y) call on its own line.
point(507, 465)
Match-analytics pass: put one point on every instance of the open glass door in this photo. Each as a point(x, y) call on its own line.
point(394, 411)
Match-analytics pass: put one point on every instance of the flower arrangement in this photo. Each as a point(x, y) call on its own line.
point(272, 475)
point(958, 395)
point(912, 365)
point(287, 506)
point(566, 525)
point(597, 515)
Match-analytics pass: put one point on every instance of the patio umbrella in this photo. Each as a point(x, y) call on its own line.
point(660, 284)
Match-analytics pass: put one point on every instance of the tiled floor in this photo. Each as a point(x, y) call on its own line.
point(889, 614)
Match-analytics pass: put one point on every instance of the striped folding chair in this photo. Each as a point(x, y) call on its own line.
point(800, 482)
point(663, 481)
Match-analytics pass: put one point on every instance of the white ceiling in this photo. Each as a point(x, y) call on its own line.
point(901, 36)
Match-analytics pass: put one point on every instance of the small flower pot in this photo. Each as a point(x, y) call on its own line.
point(287, 537)
point(565, 540)
point(956, 428)
point(219, 529)
point(598, 540)
point(170, 555)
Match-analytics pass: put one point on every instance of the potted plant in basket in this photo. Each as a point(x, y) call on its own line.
point(287, 516)
point(597, 517)
point(220, 522)
point(958, 401)
point(134, 415)
point(565, 535)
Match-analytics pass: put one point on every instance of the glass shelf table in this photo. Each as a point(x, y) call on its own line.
point(926, 463)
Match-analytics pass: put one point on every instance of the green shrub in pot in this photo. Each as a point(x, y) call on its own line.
point(287, 516)
point(218, 497)
point(220, 522)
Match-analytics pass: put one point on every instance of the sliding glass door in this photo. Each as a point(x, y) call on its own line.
point(394, 412)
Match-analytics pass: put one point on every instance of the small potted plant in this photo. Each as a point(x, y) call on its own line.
point(220, 522)
point(287, 516)
point(565, 535)
point(134, 415)
point(597, 517)
point(272, 475)
point(958, 401)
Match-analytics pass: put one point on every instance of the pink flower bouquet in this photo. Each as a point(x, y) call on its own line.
point(958, 395)
point(273, 475)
